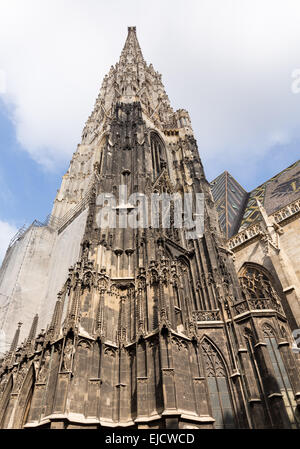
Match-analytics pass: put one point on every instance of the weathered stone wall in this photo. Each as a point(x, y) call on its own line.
point(65, 252)
point(26, 266)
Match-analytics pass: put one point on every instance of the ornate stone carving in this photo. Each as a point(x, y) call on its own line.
point(20, 377)
point(268, 330)
point(68, 355)
point(207, 315)
point(109, 351)
point(44, 366)
point(83, 344)
point(153, 341)
point(179, 343)
point(214, 366)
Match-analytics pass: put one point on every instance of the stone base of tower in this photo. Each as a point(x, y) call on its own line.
point(175, 421)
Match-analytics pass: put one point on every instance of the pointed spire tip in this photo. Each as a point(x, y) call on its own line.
point(131, 29)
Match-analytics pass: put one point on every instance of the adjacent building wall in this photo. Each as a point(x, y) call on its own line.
point(32, 273)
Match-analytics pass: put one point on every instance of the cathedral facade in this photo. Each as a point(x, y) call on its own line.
point(145, 326)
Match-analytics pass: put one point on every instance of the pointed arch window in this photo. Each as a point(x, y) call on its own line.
point(256, 283)
point(219, 388)
point(257, 288)
point(281, 375)
point(157, 154)
point(186, 295)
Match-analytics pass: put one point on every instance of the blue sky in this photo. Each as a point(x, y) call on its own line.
point(27, 188)
point(229, 63)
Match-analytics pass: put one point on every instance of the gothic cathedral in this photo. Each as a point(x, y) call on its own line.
point(140, 326)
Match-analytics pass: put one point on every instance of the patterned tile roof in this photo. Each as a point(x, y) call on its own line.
point(238, 209)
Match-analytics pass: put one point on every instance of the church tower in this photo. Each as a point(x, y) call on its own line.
point(150, 327)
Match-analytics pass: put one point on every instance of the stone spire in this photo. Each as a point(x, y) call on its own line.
point(132, 51)
point(131, 80)
point(15, 341)
point(33, 329)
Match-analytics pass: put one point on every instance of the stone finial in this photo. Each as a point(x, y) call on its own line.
point(133, 29)
point(15, 341)
point(131, 48)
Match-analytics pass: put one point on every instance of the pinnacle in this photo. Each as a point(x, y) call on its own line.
point(33, 328)
point(16, 338)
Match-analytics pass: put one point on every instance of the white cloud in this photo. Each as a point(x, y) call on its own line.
point(228, 62)
point(7, 231)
